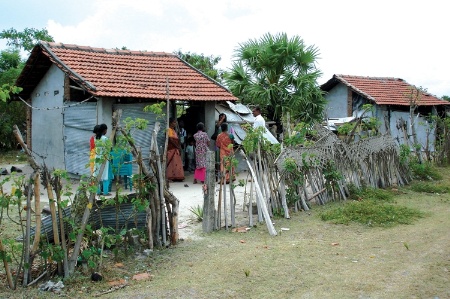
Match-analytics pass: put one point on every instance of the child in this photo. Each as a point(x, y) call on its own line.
point(190, 153)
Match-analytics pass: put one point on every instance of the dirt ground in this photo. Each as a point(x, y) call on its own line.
point(312, 259)
point(189, 195)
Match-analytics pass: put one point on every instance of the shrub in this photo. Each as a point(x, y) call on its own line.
point(198, 212)
point(367, 193)
point(424, 171)
point(429, 188)
point(371, 213)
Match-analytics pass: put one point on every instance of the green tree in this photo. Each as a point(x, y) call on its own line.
point(25, 39)
point(279, 73)
point(206, 64)
point(11, 65)
point(446, 98)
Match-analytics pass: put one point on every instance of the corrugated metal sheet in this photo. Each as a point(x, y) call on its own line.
point(237, 115)
point(143, 137)
point(79, 120)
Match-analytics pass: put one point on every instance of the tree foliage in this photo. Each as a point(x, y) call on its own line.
point(206, 64)
point(278, 72)
point(11, 65)
point(25, 39)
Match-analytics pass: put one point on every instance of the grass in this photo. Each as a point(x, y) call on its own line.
point(198, 212)
point(11, 157)
point(428, 187)
point(371, 207)
point(425, 171)
point(371, 213)
point(371, 194)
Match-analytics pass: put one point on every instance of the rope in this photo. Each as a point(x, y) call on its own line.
point(57, 107)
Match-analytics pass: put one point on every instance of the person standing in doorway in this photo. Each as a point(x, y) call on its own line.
point(183, 138)
point(201, 148)
point(225, 142)
point(190, 154)
point(259, 120)
point(174, 170)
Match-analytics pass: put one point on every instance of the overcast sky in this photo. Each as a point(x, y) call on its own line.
point(383, 38)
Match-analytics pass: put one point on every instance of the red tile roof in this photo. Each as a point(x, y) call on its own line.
point(123, 73)
point(383, 90)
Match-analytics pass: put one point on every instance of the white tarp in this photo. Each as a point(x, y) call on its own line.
point(238, 114)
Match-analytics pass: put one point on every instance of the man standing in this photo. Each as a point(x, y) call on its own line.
point(259, 120)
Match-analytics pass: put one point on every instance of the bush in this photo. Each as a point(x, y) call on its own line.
point(367, 193)
point(429, 188)
point(371, 213)
point(425, 171)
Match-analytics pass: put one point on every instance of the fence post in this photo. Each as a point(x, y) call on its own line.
point(208, 222)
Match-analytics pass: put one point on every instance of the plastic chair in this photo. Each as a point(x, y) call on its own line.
point(122, 167)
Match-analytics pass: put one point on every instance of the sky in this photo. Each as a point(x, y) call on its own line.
point(383, 38)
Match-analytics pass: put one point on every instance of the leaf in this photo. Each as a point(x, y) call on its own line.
point(89, 205)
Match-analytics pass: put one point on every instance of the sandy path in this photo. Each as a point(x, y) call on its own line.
point(189, 195)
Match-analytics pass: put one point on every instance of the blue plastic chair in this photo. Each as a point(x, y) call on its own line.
point(122, 167)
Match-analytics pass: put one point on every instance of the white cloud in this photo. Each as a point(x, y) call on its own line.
point(368, 38)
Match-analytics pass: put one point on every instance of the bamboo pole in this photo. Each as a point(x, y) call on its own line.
point(37, 208)
point(208, 223)
point(250, 204)
point(265, 212)
point(232, 206)
point(57, 187)
point(27, 233)
point(219, 203)
point(283, 198)
point(161, 184)
point(52, 205)
point(225, 210)
point(6, 265)
point(166, 141)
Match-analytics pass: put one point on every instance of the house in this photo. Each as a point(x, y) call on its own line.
point(72, 88)
point(391, 98)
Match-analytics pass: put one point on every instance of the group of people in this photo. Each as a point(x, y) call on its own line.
point(197, 148)
point(175, 167)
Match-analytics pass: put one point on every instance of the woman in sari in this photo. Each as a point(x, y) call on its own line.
point(174, 170)
point(102, 149)
point(92, 149)
point(224, 142)
point(201, 147)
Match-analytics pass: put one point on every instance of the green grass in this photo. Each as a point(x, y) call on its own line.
point(429, 188)
point(425, 171)
point(371, 207)
point(11, 157)
point(371, 194)
point(198, 212)
point(371, 213)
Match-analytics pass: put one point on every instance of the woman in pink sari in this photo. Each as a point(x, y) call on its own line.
point(225, 142)
point(201, 147)
point(174, 170)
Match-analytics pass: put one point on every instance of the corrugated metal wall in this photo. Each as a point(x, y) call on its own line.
point(79, 121)
point(143, 138)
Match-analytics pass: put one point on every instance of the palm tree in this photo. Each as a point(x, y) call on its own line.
point(278, 73)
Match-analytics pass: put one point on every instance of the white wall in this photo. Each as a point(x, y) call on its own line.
point(420, 124)
point(47, 125)
point(337, 102)
point(104, 112)
point(210, 121)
